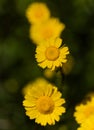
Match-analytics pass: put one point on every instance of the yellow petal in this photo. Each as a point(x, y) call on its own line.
point(29, 103)
point(32, 114)
point(59, 102)
point(58, 42)
point(56, 95)
point(48, 92)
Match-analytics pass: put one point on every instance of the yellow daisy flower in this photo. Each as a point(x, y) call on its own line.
point(84, 111)
point(88, 124)
point(37, 12)
point(43, 103)
point(52, 28)
point(49, 54)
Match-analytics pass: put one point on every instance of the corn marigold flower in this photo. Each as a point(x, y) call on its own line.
point(49, 54)
point(37, 12)
point(43, 103)
point(88, 124)
point(84, 111)
point(52, 28)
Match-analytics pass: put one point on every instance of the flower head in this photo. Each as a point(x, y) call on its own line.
point(37, 12)
point(43, 103)
point(84, 111)
point(52, 28)
point(49, 54)
point(48, 73)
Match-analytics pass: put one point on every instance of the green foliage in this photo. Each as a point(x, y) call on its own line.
point(21, 5)
point(2, 2)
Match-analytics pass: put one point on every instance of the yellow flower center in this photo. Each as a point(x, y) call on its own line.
point(47, 33)
point(45, 105)
point(52, 53)
point(38, 14)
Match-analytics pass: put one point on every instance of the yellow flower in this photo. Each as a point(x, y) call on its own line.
point(49, 54)
point(84, 111)
point(43, 103)
point(37, 12)
point(88, 124)
point(48, 73)
point(52, 28)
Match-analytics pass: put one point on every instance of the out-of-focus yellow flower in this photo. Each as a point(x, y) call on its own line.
point(84, 111)
point(29, 85)
point(88, 124)
point(43, 103)
point(26, 88)
point(48, 73)
point(50, 54)
point(67, 67)
point(52, 28)
point(37, 12)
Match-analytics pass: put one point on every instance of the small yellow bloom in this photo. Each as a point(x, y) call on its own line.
point(43, 103)
point(52, 28)
point(48, 73)
point(37, 12)
point(49, 54)
point(88, 124)
point(84, 111)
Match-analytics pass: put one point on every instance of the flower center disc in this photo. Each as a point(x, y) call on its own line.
point(45, 105)
point(52, 53)
point(47, 33)
point(38, 13)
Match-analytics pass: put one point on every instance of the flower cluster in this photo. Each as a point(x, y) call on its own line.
point(45, 32)
point(43, 27)
point(43, 101)
point(84, 115)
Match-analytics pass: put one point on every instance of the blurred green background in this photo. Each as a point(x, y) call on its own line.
point(18, 65)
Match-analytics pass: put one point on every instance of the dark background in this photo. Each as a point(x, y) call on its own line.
point(18, 65)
